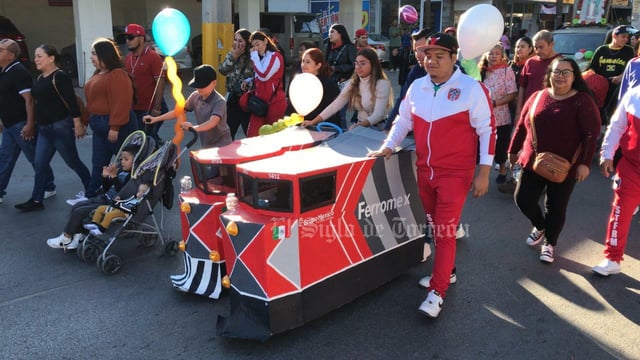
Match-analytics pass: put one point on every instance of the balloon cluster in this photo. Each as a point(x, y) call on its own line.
point(583, 54)
point(291, 120)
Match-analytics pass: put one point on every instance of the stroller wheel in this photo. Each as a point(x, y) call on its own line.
point(91, 250)
point(171, 248)
point(109, 264)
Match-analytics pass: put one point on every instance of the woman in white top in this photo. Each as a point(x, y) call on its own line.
point(368, 92)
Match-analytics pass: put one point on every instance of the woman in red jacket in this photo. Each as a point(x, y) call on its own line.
point(268, 65)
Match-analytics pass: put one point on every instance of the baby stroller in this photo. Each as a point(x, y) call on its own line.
point(92, 247)
point(158, 170)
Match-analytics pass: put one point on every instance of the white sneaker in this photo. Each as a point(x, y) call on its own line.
point(432, 305)
point(546, 254)
point(460, 233)
point(75, 241)
point(60, 242)
point(607, 267)
point(90, 226)
point(79, 197)
point(95, 232)
point(535, 237)
point(49, 194)
point(1, 201)
point(426, 281)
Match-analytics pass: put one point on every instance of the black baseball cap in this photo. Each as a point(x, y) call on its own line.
point(441, 41)
point(203, 75)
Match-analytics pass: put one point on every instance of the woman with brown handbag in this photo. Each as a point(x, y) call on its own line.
point(563, 120)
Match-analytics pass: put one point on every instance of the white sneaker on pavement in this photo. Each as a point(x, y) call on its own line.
point(535, 237)
point(426, 281)
point(607, 267)
point(79, 197)
point(460, 233)
point(49, 194)
point(432, 305)
point(546, 254)
point(59, 242)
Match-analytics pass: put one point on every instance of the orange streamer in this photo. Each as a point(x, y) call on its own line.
point(176, 91)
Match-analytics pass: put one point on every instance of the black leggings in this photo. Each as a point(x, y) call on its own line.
point(503, 137)
point(527, 194)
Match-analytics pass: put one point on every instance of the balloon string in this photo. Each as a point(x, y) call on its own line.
point(155, 90)
point(176, 91)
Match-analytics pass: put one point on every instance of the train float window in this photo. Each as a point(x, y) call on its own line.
point(214, 178)
point(317, 191)
point(274, 195)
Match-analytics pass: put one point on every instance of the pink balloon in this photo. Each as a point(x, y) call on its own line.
point(408, 14)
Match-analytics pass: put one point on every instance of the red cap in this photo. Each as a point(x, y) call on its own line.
point(361, 32)
point(134, 29)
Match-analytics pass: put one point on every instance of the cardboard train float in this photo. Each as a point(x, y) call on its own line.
point(317, 224)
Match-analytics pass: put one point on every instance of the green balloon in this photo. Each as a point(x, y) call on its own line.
point(588, 54)
point(265, 129)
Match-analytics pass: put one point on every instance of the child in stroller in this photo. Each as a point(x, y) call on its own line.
point(135, 148)
point(105, 214)
point(152, 181)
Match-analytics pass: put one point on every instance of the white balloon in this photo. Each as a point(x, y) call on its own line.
point(305, 93)
point(479, 29)
point(579, 55)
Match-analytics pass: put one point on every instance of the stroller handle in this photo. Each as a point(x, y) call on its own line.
point(194, 133)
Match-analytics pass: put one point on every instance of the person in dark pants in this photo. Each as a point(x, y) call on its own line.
point(418, 71)
point(18, 125)
point(238, 69)
point(562, 118)
point(146, 69)
point(59, 124)
point(109, 94)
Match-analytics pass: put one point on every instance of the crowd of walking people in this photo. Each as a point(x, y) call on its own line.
point(516, 110)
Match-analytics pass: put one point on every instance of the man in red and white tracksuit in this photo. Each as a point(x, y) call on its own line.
point(449, 112)
point(622, 132)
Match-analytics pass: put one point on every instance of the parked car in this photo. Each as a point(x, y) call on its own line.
point(291, 30)
point(569, 41)
point(381, 44)
point(9, 31)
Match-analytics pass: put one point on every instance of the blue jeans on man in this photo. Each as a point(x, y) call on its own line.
point(103, 149)
point(59, 136)
point(10, 147)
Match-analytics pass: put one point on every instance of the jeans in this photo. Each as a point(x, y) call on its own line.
point(12, 144)
point(60, 137)
point(103, 149)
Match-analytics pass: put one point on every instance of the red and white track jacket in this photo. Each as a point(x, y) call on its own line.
point(447, 123)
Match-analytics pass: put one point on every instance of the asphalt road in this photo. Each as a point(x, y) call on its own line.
point(506, 304)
